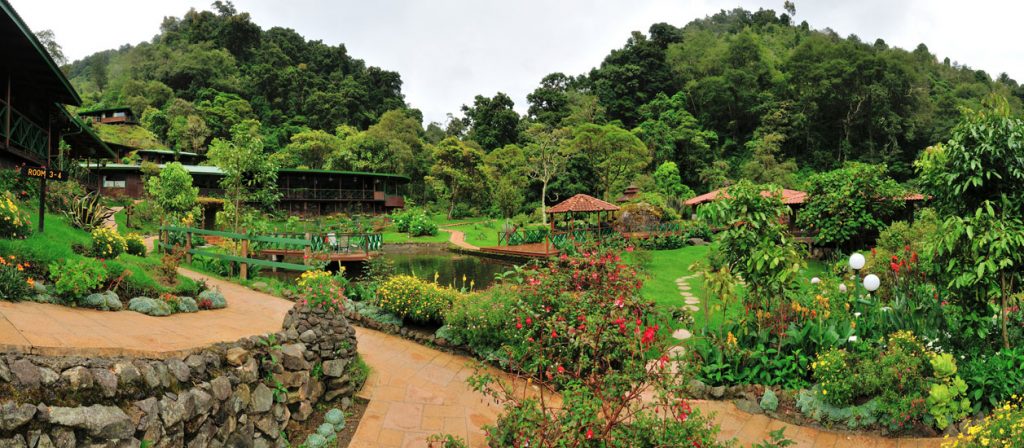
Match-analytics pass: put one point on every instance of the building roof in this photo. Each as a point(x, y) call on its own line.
point(105, 109)
point(167, 152)
point(28, 62)
point(789, 197)
point(582, 203)
point(83, 140)
point(215, 171)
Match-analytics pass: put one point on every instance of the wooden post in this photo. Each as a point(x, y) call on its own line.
point(307, 251)
point(244, 267)
point(188, 246)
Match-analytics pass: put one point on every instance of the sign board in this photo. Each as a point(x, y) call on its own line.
point(40, 172)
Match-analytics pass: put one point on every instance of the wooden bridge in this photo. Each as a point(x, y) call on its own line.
point(323, 247)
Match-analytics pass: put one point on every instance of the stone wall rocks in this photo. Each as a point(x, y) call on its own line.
point(231, 394)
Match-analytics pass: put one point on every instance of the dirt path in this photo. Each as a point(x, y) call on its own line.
point(458, 238)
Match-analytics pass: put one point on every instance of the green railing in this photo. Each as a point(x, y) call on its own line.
point(519, 235)
point(24, 133)
point(310, 245)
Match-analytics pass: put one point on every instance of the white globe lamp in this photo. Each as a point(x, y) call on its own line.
point(871, 282)
point(815, 281)
point(857, 261)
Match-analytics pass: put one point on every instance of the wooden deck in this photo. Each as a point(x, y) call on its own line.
point(533, 250)
point(355, 255)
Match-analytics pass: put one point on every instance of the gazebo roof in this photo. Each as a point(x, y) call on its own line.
point(789, 197)
point(582, 203)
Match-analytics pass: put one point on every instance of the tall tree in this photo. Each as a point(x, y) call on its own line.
point(309, 149)
point(492, 122)
point(250, 176)
point(458, 172)
point(546, 156)
point(616, 154)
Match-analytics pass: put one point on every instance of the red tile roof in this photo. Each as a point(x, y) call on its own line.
point(582, 203)
point(789, 197)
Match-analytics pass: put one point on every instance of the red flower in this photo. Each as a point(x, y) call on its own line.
point(590, 433)
point(648, 337)
point(662, 361)
point(873, 252)
point(529, 321)
point(913, 257)
point(554, 334)
point(519, 325)
point(906, 248)
point(561, 369)
point(895, 267)
point(629, 248)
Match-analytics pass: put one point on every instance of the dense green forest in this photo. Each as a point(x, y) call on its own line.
point(736, 95)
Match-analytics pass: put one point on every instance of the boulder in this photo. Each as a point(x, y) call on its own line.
point(102, 422)
point(178, 368)
point(77, 378)
point(335, 367)
point(262, 399)
point(221, 388)
point(13, 416)
point(293, 358)
point(106, 380)
point(237, 356)
point(26, 374)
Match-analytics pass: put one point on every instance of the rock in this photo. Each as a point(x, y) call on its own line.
point(718, 392)
point(127, 374)
point(25, 373)
point(14, 442)
point(698, 389)
point(48, 377)
point(149, 375)
point(346, 403)
point(78, 378)
point(5, 373)
point(748, 406)
point(308, 336)
point(237, 356)
point(106, 380)
point(63, 438)
point(248, 372)
point(148, 410)
point(196, 363)
point(292, 357)
point(102, 422)
point(203, 401)
point(13, 416)
point(303, 412)
point(335, 367)
point(44, 442)
point(221, 387)
point(268, 425)
point(262, 399)
point(172, 412)
point(178, 368)
point(697, 242)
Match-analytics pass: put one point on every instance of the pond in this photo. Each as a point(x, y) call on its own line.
point(428, 261)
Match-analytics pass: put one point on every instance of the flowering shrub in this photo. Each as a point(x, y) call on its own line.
point(14, 222)
point(832, 372)
point(415, 299)
point(1003, 429)
point(107, 243)
point(587, 331)
point(75, 277)
point(420, 225)
point(322, 290)
point(481, 321)
point(134, 245)
point(15, 285)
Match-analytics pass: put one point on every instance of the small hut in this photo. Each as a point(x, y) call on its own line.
point(577, 205)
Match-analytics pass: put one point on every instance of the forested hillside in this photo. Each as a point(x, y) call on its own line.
point(735, 95)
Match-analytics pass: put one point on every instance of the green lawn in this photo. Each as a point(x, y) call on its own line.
point(476, 229)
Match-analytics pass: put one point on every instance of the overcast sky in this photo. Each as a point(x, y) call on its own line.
point(448, 51)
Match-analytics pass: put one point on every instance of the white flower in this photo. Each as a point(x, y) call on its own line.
point(857, 314)
point(842, 287)
point(815, 281)
point(853, 338)
point(886, 309)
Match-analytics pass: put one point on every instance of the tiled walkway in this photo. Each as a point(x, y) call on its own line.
point(414, 390)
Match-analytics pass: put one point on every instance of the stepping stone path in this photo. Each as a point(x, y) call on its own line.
point(690, 301)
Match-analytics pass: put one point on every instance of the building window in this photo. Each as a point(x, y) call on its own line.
point(118, 114)
point(113, 182)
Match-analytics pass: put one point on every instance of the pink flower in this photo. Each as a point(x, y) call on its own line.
point(629, 248)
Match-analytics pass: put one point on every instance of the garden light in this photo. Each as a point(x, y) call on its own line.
point(815, 281)
point(871, 282)
point(856, 261)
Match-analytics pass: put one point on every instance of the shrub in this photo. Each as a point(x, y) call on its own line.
point(14, 222)
point(106, 301)
point(135, 245)
point(947, 398)
point(1004, 428)
point(187, 305)
point(60, 195)
point(212, 299)
point(415, 299)
point(402, 218)
point(150, 307)
point(481, 321)
point(420, 225)
point(76, 277)
point(14, 284)
point(322, 290)
point(107, 243)
point(993, 379)
point(832, 372)
point(87, 212)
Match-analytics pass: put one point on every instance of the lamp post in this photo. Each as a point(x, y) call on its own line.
point(871, 282)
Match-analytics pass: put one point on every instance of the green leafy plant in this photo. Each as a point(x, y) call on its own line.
point(1001, 429)
point(321, 289)
point(415, 299)
point(15, 285)
point(87, 212)
point(76, 277)
point(134, 245)
point(947, 398)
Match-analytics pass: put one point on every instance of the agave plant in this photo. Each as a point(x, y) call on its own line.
point(87, 213)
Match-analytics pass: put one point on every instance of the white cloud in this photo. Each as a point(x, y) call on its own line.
point(447, 51)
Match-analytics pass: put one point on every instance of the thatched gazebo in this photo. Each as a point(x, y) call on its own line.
point(580, 204)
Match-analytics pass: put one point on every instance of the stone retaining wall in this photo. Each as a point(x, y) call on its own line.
point(231, 394)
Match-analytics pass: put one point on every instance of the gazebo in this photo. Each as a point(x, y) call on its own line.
point(579, 204)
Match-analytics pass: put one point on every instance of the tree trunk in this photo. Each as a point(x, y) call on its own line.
point(1002, 312)
point(543, 206)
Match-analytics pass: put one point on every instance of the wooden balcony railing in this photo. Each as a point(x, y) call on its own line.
point(309, 194)
point(20, 131)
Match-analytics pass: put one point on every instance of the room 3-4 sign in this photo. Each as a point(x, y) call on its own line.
point(41, 173)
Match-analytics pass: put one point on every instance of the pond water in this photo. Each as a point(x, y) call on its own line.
point(425, 262)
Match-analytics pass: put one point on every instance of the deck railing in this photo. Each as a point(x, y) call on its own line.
point(309, 194)
point(310, 245)
point(23, 132)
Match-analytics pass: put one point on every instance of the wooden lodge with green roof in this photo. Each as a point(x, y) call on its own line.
point(33, 91)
